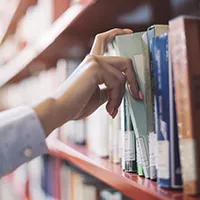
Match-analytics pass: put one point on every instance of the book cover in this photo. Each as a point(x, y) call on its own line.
point(169, 169)
point(131, 46)
point(152, 32)
point(185, 51)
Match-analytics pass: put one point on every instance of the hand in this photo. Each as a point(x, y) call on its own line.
point(80, 95)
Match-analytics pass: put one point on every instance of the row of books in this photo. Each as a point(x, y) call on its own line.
point(157, 137)
point(145, 137)
point(36, 20)
point(79, 185)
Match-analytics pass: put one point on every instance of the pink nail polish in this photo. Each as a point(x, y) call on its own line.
point(112, 111)
point(141, 95)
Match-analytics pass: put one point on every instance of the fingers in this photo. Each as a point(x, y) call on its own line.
point(113, 72)
point(120, 77)
point(125, 65)
point(114, 86)
point(98, 98)
point(102, 39)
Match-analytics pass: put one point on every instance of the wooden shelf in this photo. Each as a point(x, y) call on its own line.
point(79, 24)
point(75, 29)
point(17, 15)
point(50, 43)
point(131, 185)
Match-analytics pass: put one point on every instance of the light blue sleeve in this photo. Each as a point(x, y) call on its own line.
point(22, 138)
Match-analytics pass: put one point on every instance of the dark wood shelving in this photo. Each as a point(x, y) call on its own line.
point(131, 185)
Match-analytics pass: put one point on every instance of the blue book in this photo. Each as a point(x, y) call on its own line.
point(169, 169)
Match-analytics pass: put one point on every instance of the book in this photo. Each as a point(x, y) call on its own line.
point(122, 130)
point(185, 51)
point(131, 46)
point(65, 177)
point(110, 194)
point(114, 137)
point(97, 132)
point(169, 169)
point(80, 132)
point(152, 32)
point(130, 163)
point(140, 171)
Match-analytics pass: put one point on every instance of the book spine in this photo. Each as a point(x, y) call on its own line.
point(168, 162)
point(129, 142)
point(185, 49)
point(152, 135)
point(163, 168)
point(151, 33)
point(114, 134)
point(149, 93)
point(80, 132)
point(175, 153)
point(122, 131)
point(140, 171)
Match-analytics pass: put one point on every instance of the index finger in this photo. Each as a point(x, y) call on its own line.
point(101, 40)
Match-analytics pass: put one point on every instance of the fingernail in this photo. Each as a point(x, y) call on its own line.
point(112, 111)
point(115, 113)
point(140, 95)
point(128, 30)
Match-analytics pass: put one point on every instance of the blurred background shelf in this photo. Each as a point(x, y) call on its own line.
point(130, 184)
point(72, 32)
point(47, 50)
point(18, 11)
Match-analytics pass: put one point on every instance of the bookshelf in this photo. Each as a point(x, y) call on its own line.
point(25, 59)
point(79, 24)
point(76, 27)
point(130, 184)
point(18, 13)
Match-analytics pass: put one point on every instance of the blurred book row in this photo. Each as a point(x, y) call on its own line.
point(22, 22)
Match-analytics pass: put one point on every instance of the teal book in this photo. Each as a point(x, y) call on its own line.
point(131, 46)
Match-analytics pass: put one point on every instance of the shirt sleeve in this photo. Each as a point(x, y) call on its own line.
point(22, 138)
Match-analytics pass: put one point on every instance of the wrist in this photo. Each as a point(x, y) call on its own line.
point(47, 113)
